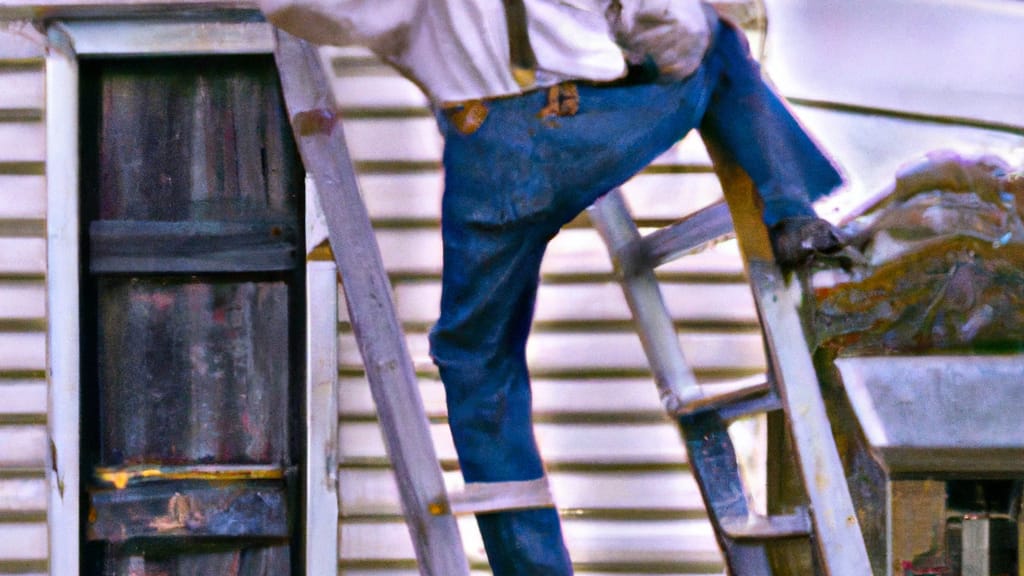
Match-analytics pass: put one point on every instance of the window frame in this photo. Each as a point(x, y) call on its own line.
point(223, 33)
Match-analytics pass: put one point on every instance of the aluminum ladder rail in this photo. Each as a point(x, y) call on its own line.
point(792, 385)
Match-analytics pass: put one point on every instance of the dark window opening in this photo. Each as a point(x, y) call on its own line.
point(193, 318)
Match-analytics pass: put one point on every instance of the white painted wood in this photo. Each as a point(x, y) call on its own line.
point(24, 446)
point(419, 301)
point(62, 230)
point(22, 197)
point(415, 196)
point(619, 444)
point(169, 37)
point(562, 351)
point(552, 398)
point(321, 478)
point(22, 397)
point(23, 87)
point(22, 255)
point(22, 300)
point(367, 492)
point(385, 91)
point(19, 40)
point(572, 251)
point(591, 541)
point(23, 541)
point(22, 141)
point(670, 196)
point(20, 351)
point(22, 495)
point(27, 8)
point(394, 139)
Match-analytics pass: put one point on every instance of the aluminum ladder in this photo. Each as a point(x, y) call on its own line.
point(428, 508)
point(792, 387)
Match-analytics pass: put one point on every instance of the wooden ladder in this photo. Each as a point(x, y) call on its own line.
point(792, 387)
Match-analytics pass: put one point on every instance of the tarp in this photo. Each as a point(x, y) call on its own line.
point(944, 267)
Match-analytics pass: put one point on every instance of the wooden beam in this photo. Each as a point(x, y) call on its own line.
point(250, 509)
point(35, 9)
point(191, 247)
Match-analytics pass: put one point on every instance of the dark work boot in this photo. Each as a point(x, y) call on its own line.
point(795, 240)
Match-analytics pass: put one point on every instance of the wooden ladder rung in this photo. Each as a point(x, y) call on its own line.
point(484, 497)
point(763, 528)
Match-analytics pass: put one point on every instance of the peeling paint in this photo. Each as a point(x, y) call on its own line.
point(58, 478)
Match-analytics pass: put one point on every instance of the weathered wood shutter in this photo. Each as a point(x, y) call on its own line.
point(192, 308)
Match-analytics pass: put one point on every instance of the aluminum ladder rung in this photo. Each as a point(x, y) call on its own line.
point(688, 235)
point(703, 418)
point(766, 528)
point(737, 403)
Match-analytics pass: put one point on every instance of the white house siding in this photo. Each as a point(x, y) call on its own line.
point(22, 306)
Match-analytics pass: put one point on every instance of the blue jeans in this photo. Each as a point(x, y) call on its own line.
point(512, 184)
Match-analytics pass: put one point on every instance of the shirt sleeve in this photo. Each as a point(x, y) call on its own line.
point(673, 33)
point(382, 25)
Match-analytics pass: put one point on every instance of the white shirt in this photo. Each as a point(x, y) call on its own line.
point(458, 50)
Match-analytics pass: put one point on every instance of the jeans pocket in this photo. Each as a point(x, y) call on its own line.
point(490, 174)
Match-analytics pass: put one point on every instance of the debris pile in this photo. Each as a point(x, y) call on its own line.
point(943, 268)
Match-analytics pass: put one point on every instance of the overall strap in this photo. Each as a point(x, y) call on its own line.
point(524, 61)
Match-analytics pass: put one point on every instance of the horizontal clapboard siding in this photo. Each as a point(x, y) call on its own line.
point(23, 539)
point(617, 465)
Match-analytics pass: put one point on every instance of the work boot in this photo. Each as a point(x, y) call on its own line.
point(795, 240)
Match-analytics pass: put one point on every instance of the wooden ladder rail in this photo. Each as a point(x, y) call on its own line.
point(389, 369)
point(703, 419)
point(838, 538)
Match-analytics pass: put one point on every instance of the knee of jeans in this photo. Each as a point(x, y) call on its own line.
point(483, 409)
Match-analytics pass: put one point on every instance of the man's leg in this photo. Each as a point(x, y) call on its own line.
point(492, 255)
point(510, 184)
point(756, 127)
